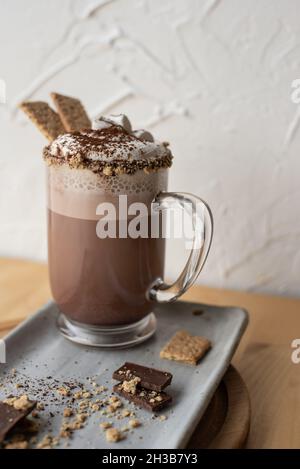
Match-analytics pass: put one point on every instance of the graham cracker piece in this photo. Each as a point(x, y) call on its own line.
point(46, 120)
point(71, 112)
point(185, 348)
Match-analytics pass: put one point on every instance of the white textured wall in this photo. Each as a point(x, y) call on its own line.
point(211, 76)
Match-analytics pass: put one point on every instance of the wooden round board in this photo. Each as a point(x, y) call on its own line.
point(226, 421)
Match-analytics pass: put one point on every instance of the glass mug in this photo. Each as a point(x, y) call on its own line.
point(106, 252)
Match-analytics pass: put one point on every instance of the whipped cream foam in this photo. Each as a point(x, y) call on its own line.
point(111, 148)
point(102, 122)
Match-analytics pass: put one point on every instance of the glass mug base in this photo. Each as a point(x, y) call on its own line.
point(108, 336)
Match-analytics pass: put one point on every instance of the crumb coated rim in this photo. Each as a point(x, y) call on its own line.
point(115, 149)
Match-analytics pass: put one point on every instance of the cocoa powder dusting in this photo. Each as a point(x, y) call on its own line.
point(111, 151)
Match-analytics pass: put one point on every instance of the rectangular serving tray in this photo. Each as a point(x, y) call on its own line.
point(37, 350)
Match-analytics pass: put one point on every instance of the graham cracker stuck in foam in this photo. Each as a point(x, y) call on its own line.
point(71, 112)
point(43, 116)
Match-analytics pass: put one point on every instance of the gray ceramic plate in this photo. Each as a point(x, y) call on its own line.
point(36, 350)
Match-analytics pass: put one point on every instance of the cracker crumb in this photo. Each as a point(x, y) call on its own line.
point(113, 435)
point(95, 407)
point(115, 402)
point(67, 428)
point(68, 412)
point(100, 389)
point(111, 409)
point(64, 391)
point(130, 386)
point(134, 423)
point(65, 433)
point(84, 404)
point(23, 444)
point(47, 442)
point(19, 403)
point(125, 413)
point(107, 171)
point(105, 425)
point(81, 417)
point(113, 399)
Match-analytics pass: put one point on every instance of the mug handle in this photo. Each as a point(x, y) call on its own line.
point(202, 222)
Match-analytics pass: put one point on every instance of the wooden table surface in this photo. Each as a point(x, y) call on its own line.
point(263, 357)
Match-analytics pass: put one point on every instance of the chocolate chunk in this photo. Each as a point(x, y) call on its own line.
point(9, 417)
point(150, 378)
point(149, 400)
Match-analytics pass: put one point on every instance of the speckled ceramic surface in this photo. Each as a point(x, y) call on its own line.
point(36, 350)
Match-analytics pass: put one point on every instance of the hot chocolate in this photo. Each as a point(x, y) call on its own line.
point(98, 281)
